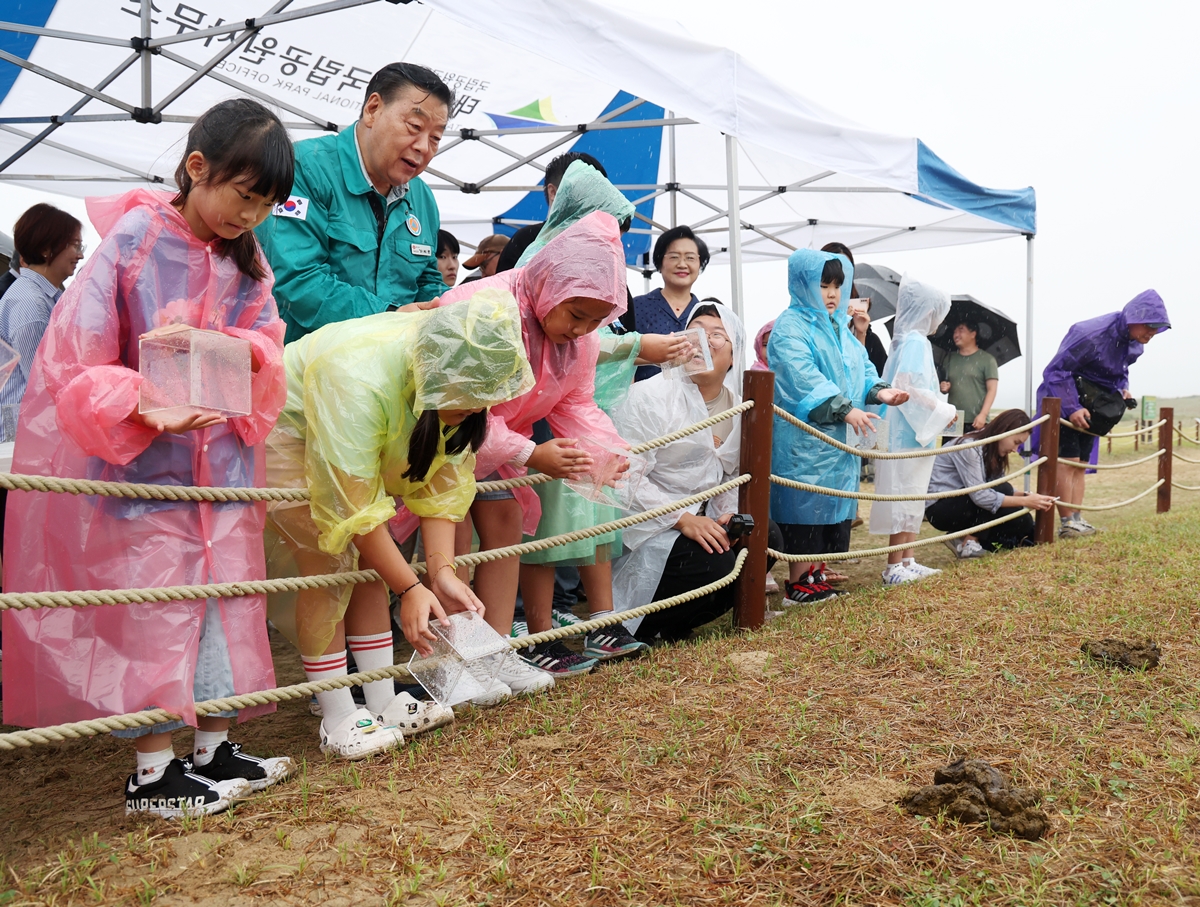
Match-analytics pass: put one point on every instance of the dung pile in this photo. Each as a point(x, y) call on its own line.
point(1132, 656)
point(975, 792)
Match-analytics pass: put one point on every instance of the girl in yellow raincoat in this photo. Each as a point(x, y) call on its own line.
point(379, 408)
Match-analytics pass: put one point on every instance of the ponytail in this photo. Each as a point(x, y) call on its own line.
point(423, 443)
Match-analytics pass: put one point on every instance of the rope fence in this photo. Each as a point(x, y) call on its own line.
point(1180, 456)
point(1145, 429)
point(928, 496)
point(1081, 464)
point(90, 598)
point(95, 726)
point(1136, 497)
point(1186, 438)
point(901, 455)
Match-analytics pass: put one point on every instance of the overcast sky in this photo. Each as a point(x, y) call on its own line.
point(1094, 104)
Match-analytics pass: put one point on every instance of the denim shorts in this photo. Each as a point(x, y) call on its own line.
point(504, 494)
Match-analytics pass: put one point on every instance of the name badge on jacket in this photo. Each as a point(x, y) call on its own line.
point(418, 249)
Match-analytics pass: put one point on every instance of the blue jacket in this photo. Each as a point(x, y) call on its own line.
point(322, 245)
point(816, 359)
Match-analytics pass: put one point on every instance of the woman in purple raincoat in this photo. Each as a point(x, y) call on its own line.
point(1094, 359)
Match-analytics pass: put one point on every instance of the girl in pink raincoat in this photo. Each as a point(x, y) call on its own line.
point(575, 284)
point(193, 260)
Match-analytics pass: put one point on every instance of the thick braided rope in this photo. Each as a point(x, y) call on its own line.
point(18, 601)
point(91, 597)
point(934, 496)
point(1136, 497)
point(905, 454)
point(539, 478)
point(17, 482)
point(496, 554)
point(1185, 487)
point(872, 552)
point(1080, 464)
point(1180, 456)
point(1116, 434)
point(95, 726)
point(1185, 437)
point(586, 626)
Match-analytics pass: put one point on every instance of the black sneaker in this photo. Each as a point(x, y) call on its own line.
point(816, 578)
point(180, 793)
point(805, 593)
point(229, 762)
point(557, 659)
point(611, 642)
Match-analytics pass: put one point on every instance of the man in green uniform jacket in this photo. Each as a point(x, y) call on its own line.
point(358, 235)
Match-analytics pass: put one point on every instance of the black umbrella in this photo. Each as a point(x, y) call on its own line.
point(881, 284)
point(996, 332)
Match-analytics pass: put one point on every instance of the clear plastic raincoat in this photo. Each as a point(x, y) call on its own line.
point(585, 260)
point(916, 423)
point(355, 390)
point(655, 407)
point(816, 358)
point(583, 189)
point(67, 664)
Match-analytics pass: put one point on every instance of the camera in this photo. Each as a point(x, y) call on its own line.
point(739, 524)
point(1131, 403)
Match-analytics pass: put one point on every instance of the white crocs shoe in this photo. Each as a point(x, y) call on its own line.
point(413, 716)
point(522, 677)
point(359, 736)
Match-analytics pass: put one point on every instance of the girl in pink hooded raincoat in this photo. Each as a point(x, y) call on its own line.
point(575, 284)
point(189, 260)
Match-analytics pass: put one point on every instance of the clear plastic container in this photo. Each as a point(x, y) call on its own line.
point(874, 438)
point(192, 370)
point(465, 659)
point(700, 359)
point(8, 361)
point(604, 483)
point(956, 430)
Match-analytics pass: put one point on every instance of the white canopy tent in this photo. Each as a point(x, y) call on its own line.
point(97, 94)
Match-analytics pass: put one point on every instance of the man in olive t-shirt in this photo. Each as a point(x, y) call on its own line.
point(971, 378)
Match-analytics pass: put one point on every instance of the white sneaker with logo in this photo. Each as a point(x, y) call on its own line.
point(358, 736)
point(921, 571)
point(522, 677)
point(897, 574)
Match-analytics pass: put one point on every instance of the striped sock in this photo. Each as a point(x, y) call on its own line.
point(337, 705)
point(371, 653)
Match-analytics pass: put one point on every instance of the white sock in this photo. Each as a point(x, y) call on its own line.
point(372, 653)
point(908, 561)
point(150, 766)
point(206, 746)
point(337, 705)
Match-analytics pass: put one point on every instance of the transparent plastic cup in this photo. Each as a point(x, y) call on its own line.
point(604, 483)
point(700, 359)
point(465, 659)
point(190, 370)
point(8, 362)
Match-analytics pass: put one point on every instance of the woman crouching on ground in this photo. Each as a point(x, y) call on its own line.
point(976, 466)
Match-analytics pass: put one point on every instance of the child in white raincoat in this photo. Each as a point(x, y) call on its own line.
point(914, 425)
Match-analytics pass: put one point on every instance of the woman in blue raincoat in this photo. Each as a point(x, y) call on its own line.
point(823, 377)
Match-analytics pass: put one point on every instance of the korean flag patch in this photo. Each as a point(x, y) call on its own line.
point(295, 206)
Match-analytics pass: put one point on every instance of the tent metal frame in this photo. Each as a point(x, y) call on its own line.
point(144, 47)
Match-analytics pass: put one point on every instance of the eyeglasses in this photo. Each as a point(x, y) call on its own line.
point(78, 247)
point(675, 257)
point(717, 340)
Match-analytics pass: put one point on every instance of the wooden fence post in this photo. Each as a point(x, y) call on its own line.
point(754, 497)
point(1137, 427)
point(1047, 520)
point(1166, 441)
